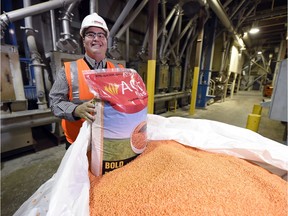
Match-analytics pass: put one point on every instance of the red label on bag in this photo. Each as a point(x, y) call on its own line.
point(125, 91)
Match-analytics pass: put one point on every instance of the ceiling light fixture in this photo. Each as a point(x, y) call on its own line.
point(254, 30)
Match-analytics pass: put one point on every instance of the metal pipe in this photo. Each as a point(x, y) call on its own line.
point(255, 81)
point(227, 3)
point(187, 59)
point(224, 50)
point(173, 53)
point(127, 45)
point(180, 36)
point(28, 19)
point(167, 20)
point(185, 70)
point(167, 94)
point(120, 19)
point(170, 96)
point(260, 66)
point(67, 43)
point(66, 21)
point(94, 6)
point(223, 17)
point(247, 14)
point(186, 41)
point(236, 10)
point(36, 60)
point(171, 31)
point(15, 15)
point(179, 33)
point(264, 61)
point(28, 123)
point(53, 29)
point(144, 44)
point(133, 16)
point(162, 43)
point(187, 63)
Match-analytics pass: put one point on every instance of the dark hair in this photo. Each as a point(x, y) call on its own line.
point(84, 32)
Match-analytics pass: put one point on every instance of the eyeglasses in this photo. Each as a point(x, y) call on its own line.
point(92, 35)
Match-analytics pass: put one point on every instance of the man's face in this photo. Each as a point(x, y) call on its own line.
point(95, 43)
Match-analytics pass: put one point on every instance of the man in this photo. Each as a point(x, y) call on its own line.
point(70, 98)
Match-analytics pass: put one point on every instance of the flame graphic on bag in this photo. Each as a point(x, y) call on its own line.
point(112, 88)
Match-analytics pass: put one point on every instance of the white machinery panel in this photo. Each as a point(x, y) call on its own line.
point(278, 109)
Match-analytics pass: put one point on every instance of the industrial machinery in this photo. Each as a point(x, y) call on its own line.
point(195, 43)
point(17, 120)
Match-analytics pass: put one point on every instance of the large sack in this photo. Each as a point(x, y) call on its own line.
point(119, 131)
point(67, 192)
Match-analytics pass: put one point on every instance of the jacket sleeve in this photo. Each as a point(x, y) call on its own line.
point(58, 97)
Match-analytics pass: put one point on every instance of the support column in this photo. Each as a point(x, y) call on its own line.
point(197, 66)
point(206, 62)
point(152, 47)
point(233, 85)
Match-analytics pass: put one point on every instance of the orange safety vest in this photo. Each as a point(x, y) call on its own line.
point(78, 93)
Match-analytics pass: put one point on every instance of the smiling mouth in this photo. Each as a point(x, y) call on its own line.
point(96, 45)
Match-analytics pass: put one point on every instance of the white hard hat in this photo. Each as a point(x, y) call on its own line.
point(93, 20)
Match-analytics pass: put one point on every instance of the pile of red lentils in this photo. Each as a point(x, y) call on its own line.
point(171, 179)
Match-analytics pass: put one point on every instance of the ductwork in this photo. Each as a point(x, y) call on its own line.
point(178, 14)
point(67, 43)
point(113, 51)
point(163, 31)
point(177, 42)
point(53, 27)
point(192, 38)
point(223, 17)
point(15, 15)
point(120, 20)
point(170, 96)
point(142, 53)
point(94, 6)
point(133, 16)
point(36, 59)
point(26, 12)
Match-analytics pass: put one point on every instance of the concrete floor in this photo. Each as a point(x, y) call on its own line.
point(21, 176)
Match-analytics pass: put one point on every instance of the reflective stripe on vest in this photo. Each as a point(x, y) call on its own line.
point(73, 69)
point(74, 82)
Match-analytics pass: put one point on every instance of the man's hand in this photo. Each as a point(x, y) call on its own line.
point(85, 111)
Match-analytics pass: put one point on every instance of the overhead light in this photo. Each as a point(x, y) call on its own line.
point(254, 30)
point(245, 34)
point(259, 52)
point(11, 31)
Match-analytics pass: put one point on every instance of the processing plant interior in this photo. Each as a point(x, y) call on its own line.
point(194, 56)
